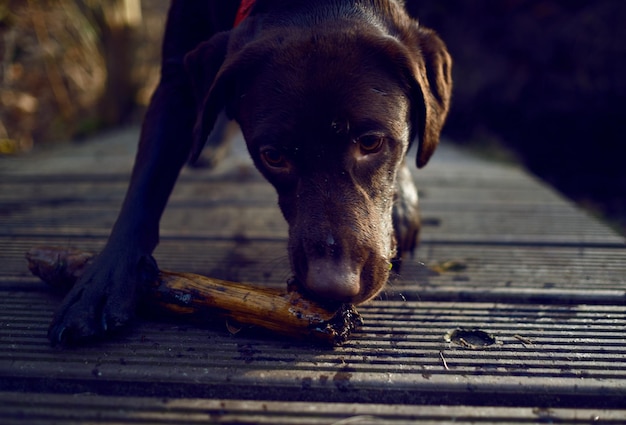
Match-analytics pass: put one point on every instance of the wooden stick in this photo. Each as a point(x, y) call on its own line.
point(195, 296)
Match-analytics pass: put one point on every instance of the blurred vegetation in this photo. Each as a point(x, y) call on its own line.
point(546, 79)
point(72, 67)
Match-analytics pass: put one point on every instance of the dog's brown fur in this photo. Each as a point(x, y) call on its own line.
point(329, 95)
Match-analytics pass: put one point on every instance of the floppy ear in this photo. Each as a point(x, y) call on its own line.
point(203, 65)
point(432, 74)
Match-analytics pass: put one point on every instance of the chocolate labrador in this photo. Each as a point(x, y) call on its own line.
point(329, 95)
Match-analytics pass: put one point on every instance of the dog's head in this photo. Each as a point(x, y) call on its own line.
point(328, 113)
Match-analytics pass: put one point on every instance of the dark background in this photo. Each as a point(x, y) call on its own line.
point(546, 79)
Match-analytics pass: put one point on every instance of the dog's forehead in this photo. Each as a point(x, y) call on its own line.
point(330, 59)
point(327, 84)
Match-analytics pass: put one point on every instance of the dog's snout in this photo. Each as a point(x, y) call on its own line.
point(333, 280)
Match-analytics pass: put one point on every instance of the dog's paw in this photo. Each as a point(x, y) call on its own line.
point(102, 302)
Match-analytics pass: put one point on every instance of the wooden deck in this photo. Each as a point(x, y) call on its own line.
point(501, 253)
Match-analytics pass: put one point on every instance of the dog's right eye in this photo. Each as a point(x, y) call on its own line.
point(274, 158)
point(370, 144)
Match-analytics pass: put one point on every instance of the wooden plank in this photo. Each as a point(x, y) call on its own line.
point(250, 209)
point(45, 409)
point(497, 204)
point(564, 274)
point(214, 186)
point(508, 225)
point(106, 154)
point(517, 273)
point(484, 273)
point(84, 188)
point(561, 354)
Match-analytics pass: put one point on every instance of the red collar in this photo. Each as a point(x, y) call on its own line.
point(244, 10)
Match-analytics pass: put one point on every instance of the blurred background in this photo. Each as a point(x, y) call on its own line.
point(538, 82)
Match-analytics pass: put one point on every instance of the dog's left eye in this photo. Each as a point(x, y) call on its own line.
point(273, 157)
point(370, 144)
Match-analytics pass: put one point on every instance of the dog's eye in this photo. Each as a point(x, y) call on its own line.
point(370, 144)
point(273, 157)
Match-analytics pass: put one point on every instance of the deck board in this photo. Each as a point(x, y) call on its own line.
point(542, 277)
point(52, 408)
point(401, 352)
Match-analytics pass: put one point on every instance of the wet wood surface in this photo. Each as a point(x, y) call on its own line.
point(512, 309)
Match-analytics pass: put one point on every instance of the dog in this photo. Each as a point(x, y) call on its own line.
point(329, 96)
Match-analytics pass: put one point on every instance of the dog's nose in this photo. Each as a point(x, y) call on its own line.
point(333, 280)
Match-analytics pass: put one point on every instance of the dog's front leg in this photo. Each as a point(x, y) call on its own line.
point(104, 298)
point(406, 216)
